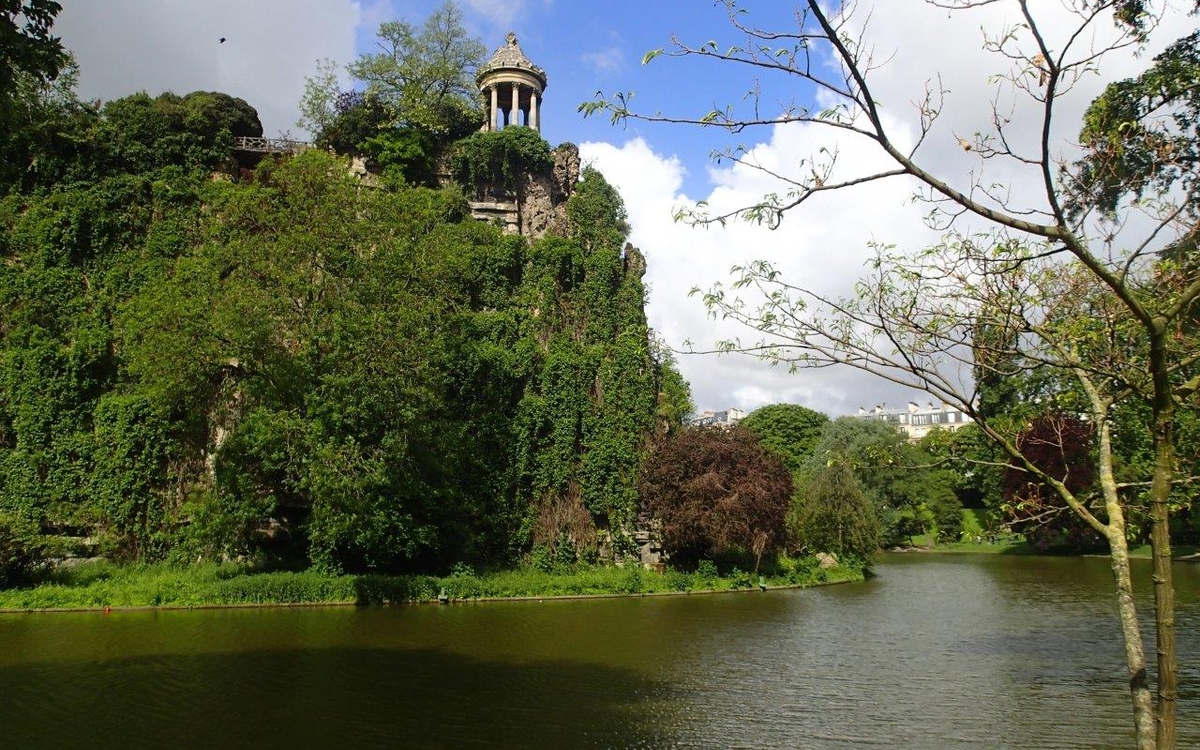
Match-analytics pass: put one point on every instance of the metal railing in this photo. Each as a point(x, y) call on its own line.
point(269, 145)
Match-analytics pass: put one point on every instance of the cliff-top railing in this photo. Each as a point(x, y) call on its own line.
point(269, 145)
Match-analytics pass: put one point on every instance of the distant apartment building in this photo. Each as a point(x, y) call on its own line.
point(917, 420)
point(722, 419)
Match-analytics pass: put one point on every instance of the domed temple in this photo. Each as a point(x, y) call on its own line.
point(512, 87)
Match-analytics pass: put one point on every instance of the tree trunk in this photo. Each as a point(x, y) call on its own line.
point(1135, 654)
point(1160, 541)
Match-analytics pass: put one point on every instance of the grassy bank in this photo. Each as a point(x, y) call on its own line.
point(99, 585)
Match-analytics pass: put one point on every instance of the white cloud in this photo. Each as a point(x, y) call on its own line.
point(126, 46)
point(500, 12)
point(604, 61)
point(823, 244)
point(828, 253)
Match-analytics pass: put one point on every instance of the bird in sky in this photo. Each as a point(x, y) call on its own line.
point(222, 40)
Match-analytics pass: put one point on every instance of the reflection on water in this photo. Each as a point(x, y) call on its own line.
point(936, 652)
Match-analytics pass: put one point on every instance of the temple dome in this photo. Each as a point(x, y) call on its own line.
point(509, 56)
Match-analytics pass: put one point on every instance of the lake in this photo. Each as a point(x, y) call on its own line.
point(934, 652)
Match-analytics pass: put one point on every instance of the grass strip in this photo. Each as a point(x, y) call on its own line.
point(101, 584)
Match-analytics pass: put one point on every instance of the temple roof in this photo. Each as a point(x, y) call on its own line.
point(509, 55)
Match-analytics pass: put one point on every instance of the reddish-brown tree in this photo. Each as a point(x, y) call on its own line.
point(716, 491)
point(1061, 446)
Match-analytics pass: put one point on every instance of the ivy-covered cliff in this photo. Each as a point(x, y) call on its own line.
point(297, 366)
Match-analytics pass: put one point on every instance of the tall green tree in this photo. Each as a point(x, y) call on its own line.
point(790, 430)
point(908, 493)
point(835, 516)
point(28, 49)
point(425, 75)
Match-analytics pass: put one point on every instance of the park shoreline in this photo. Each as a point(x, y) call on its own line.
point(305, 589)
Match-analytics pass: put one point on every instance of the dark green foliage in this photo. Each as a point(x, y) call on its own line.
point(675, 405)
point(492, 160)
point(358, 118)
point(404, 154)
point(591, 404)
point(835, 516)
point(596, 211)
point(790, 430)
point(132, 444)
point(901, 481)
point(27, 48)
point(295, 367)
point(1142, 133)
point(21, 549)
point(368, 380)
point(60, 139)
point(716, 491)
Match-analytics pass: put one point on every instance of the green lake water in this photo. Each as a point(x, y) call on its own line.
point(935, 652)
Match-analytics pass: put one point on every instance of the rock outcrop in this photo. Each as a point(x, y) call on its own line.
point(539, 206)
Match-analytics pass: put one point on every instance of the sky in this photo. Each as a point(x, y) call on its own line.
point(126, 46)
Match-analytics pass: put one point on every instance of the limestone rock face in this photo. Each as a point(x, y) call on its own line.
point(635, 262)
point(542, 198)
point(539, 205)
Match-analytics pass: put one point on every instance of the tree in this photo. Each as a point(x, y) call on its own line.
point(21, 549)
point(1061, 445)
point(907, 495)
point(716, 491)
point(1061, 276)
point(675, 405)
point(835, 516)
point(425, 75)
point(790, 430)
point(27, 48)
point(318, 104)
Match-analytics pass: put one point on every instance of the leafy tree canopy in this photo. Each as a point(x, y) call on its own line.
point(425, 75)
point(27, 48)
point(790, 430)
point(835, 516)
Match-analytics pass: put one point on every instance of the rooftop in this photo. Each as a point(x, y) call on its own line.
point(510, 55)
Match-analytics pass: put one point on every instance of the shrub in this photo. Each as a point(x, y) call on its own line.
point(740, 579)
point(631, 581)
point(706, 571)
point(716, 491)
point(21, 549)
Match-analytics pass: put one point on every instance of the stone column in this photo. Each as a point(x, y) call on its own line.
point(535, 104)
point(494, 109)
point(516, 105)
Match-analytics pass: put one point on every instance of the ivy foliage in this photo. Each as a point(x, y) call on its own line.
point(494, 159)
point(297, 367)
point(58, 139)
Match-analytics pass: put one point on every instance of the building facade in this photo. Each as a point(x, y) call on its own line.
point(721, 419)
point(916, 420)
